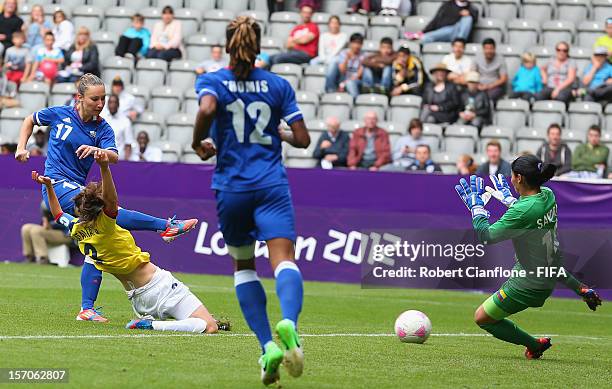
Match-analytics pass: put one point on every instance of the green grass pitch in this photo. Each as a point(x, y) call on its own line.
point(37, 329)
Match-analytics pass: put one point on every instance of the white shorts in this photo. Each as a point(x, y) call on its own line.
point(163, 297)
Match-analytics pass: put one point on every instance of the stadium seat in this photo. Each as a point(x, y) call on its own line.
point(512, 56)
point(192, 158)
point(504, 135)
point(582, 57)
point(503, 9)
point(281, 24)
point(26, 8)
point(582, 115)
point(61, 93)
point(432, 132)
point(301, 163)
point(428, 8)
point(529, 139)
point(33, 95)
point(215, 22)
point(572, 10)
point(522, 33)
point(370, 102)
point(151, 72)
point(165, 100)
point(293, 152)
point(198, 47)
point(489, 28)
point(555, 31)
point(334, 7)
point(414, 46)
point(233, 5)
point(542, 53)
point(384, 26)
point(511, 113)
point(353, 23)
point(600, 10)
point(540, 10)
point(104, 4)
point(574, 137)
point(335, 104)
point(260, 16)
point(142, 93)
point(608, 113)
point(190, 101)
point(182, 74)
point(546, 112)
point(179, 128)
point(481, 6)
point(472, 49)
point(316, 125)
point(68, 3)
point(350, 125)
point(321, 19)
point(271, 45)
point(151, 15)
point(589, 31)
point(190, 20)
point(202, 5)
point(308, 103)
point(460, 138)
point(314, 78)
point(118, 66)
point(88, 16)
point(106, 42)
point(151, 122)
point(10, 122)
point(290, 72)
point(447, 161)
point(172, 151)
point(49, 10)
point(393, 128)
point(139, 4)
point(117, 19)
point(175, 4)
point(416, 23)
point(404, 108)
point(370, 46)
point(433, 53)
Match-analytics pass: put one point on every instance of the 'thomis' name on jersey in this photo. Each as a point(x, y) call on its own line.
point(255, 86)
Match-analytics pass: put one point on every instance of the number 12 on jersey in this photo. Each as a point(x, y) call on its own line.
point(258, 112)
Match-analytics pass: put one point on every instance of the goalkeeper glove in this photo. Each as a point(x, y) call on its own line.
point(473, 196)
point(590, 297)
point(502, 190)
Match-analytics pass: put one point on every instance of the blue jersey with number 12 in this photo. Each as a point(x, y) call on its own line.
point(249, 153)
point(67, 133)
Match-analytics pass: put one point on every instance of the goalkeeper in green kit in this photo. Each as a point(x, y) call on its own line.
point(531, 223)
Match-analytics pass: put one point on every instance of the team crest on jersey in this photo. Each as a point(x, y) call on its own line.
point(66, 120)
point(92, 134)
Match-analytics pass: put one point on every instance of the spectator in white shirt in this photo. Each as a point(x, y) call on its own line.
point(128, 105)
point(457, 62)
point(121, 125)
point(214, 63)
point(330, 42)
point(144, 152)
point(63, 30)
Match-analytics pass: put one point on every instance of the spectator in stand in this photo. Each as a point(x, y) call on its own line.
point(377, 68)
point(7, 94)
point(395, 7)
point(408, 74)
point(36, 28)
point(558, 76)
point(457, 62)
point(554, 151)
point(466, 165)
point(9, 23)
point(423, 162)
point(597, 78)
point(121, 125)
point(330, 42)
point(590, 159)
point(128, 105)
point(369, 147)
point(144, 152)
point(135, 41)
point(361, 6)
point(527, 81)
point(495, 163)
point(8, 148)
point(606, 40)
point(492, 69)
point(454, 19)
point(15, 58)
point(476, 108)
point(82, 57)
point(441, 100)
point(345, 73)
point(35, 238)
point(404, 148)
point(38, 147)
point(46, 57)
point(63, 30)
point(333, 145)
point(302, 43)
point(216, 61)
point(166, 39)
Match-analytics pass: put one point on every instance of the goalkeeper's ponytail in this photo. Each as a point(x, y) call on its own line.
point(533, 170)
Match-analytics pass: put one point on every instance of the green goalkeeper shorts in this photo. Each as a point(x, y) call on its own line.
point(508, 301)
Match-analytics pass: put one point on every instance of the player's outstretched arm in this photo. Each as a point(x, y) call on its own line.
point(85, 151)
point(22, 155)
point(202, 144)
point(54, 205)
point(298, 137)
point(109, 192)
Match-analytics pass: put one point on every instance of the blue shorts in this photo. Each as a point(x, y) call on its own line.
point(65, 191)
point(262, 214)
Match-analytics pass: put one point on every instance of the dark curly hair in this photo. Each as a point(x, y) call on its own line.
point(89, 203)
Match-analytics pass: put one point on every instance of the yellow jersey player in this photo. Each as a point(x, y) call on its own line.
point(154, 293)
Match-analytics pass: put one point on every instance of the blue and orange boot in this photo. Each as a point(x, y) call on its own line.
point(176, 228)
point(139, 324)
point(91, 315)
point(545, 344)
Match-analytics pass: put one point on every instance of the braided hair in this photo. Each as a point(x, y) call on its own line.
point(243, 36)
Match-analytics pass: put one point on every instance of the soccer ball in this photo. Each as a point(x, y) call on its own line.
point(412, 327)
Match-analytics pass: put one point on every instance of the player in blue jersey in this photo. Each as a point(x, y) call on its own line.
point(253, 199)
point(76, 132)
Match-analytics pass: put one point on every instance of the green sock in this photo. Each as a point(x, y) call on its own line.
point(507, 331)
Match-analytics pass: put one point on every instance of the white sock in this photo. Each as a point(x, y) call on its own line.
point(191, 324)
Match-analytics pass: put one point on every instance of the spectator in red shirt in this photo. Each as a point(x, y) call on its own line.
point(369, 147)
point(303, 41)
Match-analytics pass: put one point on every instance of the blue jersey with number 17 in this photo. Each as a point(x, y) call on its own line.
point(245, 131)
point(67, 133)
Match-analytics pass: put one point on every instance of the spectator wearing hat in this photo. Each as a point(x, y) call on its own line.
point(454, 19)
point(558, 76)
point(527, 81)
point(423, 162)
point(606, 40)
point(554, 151)
point(476, 108)
point(408, 74)
point(38, 147)
point(166, 37)
point(441, 100)
point(345, 73)
point(457, 62)
point(333, 145)
point(492, 69)
point(369, 147)
point(597, 78)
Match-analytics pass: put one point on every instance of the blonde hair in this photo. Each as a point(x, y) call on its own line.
point(528, 57)
point(83, 30)
point(243, 44)
point(87, 80)
point(42, 12)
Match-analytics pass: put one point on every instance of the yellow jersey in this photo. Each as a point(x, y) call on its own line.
point(111, 247)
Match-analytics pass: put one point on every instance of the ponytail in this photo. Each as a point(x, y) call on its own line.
point(535, 172)
point(243, 36)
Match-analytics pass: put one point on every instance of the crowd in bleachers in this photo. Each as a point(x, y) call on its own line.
point(383, 84)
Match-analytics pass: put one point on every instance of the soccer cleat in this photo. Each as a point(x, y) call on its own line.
point(269, 362)
point(176, 228)
point(91, 315)
point(544, 345)
point(294, 356)
point(224, 324)
point(139, 324)
point(590, 297)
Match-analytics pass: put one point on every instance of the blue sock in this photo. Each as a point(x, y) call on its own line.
point(91, 278)
point(289, 289)
point(134, 220)
point(252, 299)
